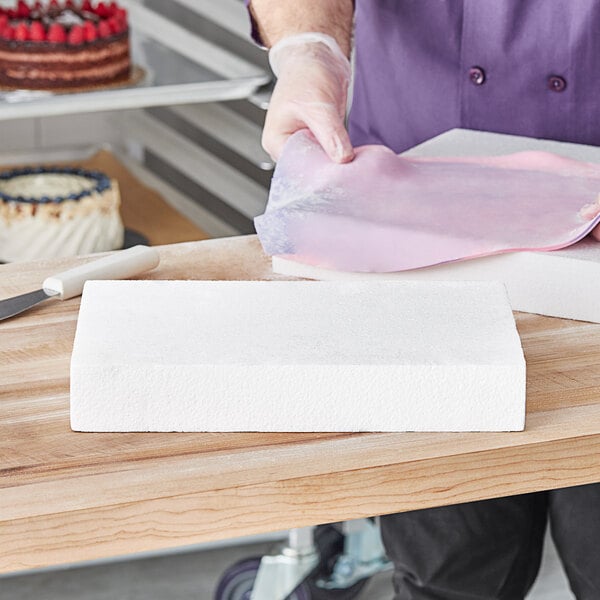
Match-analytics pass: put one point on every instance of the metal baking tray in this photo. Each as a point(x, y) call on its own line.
point(178, 68)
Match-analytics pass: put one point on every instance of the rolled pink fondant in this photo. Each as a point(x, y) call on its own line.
point(383, 212)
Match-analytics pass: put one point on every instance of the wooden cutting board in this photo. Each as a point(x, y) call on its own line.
point(66, 497)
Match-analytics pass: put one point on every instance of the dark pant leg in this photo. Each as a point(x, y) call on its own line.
point(487, 550)
point(575, 525)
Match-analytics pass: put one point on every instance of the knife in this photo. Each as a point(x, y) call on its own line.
point(69, 284)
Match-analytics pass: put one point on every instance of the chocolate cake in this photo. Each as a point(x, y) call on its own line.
point(63, 46)
point(46, 212)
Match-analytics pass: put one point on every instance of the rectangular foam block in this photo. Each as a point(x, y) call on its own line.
point(296, 356)
point(563, 283)
point(467, 142)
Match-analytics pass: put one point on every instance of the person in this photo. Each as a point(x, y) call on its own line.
point(524, 67)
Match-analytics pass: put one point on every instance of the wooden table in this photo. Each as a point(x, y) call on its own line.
point(66, 496)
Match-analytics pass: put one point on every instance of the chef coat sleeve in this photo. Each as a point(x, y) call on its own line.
point(253, 26)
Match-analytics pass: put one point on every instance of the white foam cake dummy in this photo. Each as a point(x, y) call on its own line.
point(563, 283)
point(296, 356)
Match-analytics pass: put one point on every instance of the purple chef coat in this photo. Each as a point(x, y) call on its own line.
point(528, 67)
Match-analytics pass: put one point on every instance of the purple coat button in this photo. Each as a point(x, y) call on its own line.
point(477, 75)
point(556, 83)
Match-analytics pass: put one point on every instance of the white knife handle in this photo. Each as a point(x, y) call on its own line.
point(119, 265)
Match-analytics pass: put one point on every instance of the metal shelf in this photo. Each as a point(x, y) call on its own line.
point(240, 192)
point(181, 68)
point(230, 129)
point(228, 14)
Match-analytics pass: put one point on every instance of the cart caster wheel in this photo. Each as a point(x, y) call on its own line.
point(330, 543)
point(238, 580)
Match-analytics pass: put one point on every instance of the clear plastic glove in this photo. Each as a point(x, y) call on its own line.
point(311, 93)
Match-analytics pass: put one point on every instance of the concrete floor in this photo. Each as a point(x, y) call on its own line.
point(193, 575)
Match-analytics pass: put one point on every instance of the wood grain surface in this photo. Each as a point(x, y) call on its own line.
point(67, 497)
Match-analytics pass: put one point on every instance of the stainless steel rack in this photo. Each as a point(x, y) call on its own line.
point(191, 128)
point(180, 67)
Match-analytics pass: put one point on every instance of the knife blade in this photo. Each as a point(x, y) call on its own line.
point(68, 284)
point(13, 306)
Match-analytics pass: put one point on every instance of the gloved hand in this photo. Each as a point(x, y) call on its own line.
point(311, 92)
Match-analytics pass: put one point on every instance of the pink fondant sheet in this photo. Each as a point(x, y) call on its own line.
point(383, 212)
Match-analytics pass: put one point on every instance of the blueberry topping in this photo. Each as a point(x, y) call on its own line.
point(102, 183)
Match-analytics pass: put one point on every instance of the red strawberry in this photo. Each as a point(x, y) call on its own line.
point(115, 25)
point(76, 35)
point(8, 33)
point(37, 32)
point(37, 5)
point(113, 8)
point(86, 6)
point(70, 4)
point(3, 21)
point(22, 9)
point(121, 14)
point(89, 31)
point(102, 10)
point(56, 34)
point(104, 29)
point(22, 32)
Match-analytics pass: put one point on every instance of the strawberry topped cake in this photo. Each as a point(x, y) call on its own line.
point(63, 45)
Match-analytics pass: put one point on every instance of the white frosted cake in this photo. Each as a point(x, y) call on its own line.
point(48, 212)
